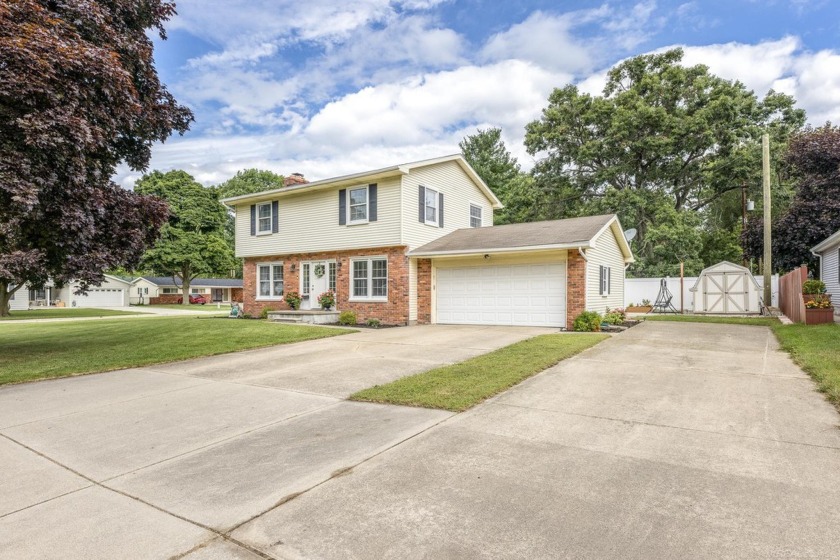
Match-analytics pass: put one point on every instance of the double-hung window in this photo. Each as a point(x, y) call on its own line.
point(604, 281)
point(264, 218)
point(358, 207)
point(270, 281)
point(432, 201)
point(369, 279)
point(475, 215)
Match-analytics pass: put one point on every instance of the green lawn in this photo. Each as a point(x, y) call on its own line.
point(36, 351)
point(759, 321)
point(64, 313)
point(460, 386)
point(815, 348)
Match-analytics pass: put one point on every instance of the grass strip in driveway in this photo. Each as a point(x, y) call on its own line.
point(37, 351)
point(757, 321)
point(59, 313)
point(460, 386)
point(816, 349)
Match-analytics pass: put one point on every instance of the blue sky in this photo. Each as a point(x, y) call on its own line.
point(324, 87)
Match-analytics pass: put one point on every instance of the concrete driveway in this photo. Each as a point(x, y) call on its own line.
point(165, 461)
point(672, 440)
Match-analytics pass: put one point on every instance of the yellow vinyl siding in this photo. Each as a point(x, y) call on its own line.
point(308, 222)
point(458, 192)
point(606, 252)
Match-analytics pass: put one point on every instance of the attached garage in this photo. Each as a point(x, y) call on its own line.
point(726, 288)
point(533, 274)
point(507, 294)
point(101, 297)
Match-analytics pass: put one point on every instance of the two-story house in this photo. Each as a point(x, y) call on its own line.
point(416, 243)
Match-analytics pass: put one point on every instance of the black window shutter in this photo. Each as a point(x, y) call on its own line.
point(275, 216)
point(253, 219)
point(372, 214)
point(440, 209)
point(342, 207)
point(601, 280)
point(422, 204)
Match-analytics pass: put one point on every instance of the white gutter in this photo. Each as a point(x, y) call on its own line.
point(493, 250)
point(582, 254)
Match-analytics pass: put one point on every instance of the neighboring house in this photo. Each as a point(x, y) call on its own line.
point(113, 292)
point(413, 243)
point(829, 253)
point(165, 289)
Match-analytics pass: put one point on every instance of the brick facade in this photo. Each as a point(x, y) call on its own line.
point(392, 312)
point(424, 291)
point(575, 287)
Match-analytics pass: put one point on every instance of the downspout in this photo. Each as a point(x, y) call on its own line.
point(582, 254)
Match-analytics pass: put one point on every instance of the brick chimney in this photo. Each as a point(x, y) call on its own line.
point(294, 179)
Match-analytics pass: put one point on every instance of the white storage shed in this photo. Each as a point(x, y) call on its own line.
point(727, 288)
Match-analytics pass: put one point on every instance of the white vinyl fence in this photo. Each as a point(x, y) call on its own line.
point(637, 289)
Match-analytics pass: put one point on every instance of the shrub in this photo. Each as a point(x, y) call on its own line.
point(293, 299)
point(347, 318)
point(615, 316)
point(374, 323)
point(588, 321)
point(645, 302)
point(631, 304)
point(264, 313)
point(811, 287)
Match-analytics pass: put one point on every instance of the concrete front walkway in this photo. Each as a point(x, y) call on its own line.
point(168, 460)
point(671, 440)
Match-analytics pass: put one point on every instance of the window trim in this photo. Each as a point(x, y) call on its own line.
point(369, 261)
point(270, 265)
point(425, 207)
point(480, 214)
point(350, 221)
point(270, 218)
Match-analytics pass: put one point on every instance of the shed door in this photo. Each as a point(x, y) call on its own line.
point(726, 292)
point(101, 297)
point(522, 294)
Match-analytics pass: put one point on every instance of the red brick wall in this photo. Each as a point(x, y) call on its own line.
point(424, 291)
point(575, 287)
point(165, 299)
point(392, 312)
point(236, 295)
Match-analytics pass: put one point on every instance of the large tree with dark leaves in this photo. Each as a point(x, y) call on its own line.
point(814, 213)
point(662, 144)
point(79, 94)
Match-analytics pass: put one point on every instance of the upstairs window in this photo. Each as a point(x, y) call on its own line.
point(475, 215)
point(264, 217)
point(358, 207)
point(431, 206)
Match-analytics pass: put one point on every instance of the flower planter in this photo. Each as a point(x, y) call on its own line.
point(819, 316)
point(639, 309)
point(810, 297)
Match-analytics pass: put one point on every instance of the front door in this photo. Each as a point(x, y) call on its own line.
point(314, 281)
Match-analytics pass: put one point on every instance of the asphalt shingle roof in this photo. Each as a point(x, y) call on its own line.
point(570, 231)
point(198, 282)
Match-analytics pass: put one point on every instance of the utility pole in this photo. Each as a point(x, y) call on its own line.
point(765, 177)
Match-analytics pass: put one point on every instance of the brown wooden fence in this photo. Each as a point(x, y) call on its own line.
point(790, 294)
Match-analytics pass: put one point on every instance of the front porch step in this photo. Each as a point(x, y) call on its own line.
point(313, 317)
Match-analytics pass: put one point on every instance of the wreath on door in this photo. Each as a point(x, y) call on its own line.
point(319, 270)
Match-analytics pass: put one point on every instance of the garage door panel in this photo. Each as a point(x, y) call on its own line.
point(529, 294)
point(101, 297)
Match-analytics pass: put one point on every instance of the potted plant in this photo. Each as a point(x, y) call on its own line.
point(818, 308)
point(326, 300)
point(293, 300)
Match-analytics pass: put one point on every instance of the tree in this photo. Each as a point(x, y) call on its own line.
point(249, 181)
point(660, 132)
point(814, 212)
point(486, 152)
point(193, 241)
point(79, 94)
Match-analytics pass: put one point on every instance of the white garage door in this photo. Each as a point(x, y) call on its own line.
point(101, 297)
point(527, 295)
